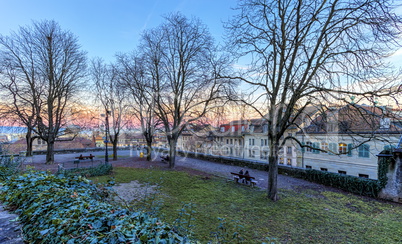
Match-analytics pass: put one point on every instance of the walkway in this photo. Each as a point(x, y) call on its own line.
point(223, 170)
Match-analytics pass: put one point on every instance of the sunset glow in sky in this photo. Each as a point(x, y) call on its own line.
point(106, 27)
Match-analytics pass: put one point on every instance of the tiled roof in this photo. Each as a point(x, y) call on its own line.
point(356, 119)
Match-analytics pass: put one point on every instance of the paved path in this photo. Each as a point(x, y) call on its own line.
point(223, 170)
point(10, 232)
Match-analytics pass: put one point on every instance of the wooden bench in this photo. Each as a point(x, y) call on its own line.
point(84, 157)
point(165, 159)
point(245, 179)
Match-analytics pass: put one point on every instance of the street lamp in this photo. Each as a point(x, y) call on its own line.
point(107, 136)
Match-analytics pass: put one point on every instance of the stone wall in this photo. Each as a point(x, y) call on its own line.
point(393, 189)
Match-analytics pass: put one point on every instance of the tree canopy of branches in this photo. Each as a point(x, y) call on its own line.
point(306, 51)
point(133, 78)
point(113, 99)
point(42, 69)
point(182, 62)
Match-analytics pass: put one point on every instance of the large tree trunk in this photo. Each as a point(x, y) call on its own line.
point(273, 172)
point(29, 141)
point(50, 152)
point(114, 150)
point(172, 153)
point(149, 150)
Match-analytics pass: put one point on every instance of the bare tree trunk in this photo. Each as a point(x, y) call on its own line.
point(50, 152)
point(114, 150)
point(149, 150)
point(273, 172)
point(29, 141)
point(172, 153)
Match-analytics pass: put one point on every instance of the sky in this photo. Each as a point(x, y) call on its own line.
point(107, 27)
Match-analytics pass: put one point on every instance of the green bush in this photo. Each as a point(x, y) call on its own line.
point(56, 209)
point(9, 165)
point(349, 183)
point(102, 169)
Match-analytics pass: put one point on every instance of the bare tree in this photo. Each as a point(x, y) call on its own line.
point(44, 67)
point(182, 62)
point(113, 100)
point(133, 77)
point(304, 52)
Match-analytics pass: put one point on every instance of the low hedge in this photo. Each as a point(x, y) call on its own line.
point(56, 209)
point(99, 170)
point(353, 184)
point(349, 183)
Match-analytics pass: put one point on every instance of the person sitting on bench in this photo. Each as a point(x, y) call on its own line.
point(241, 172)
point(247, 179)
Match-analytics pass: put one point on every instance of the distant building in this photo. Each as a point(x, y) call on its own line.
point(349, 137)
point(12, 133)
point(340, 139)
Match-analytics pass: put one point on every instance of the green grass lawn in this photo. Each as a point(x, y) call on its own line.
point(303, 216)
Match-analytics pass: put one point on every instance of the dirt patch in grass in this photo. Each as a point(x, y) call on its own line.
point(134, 191)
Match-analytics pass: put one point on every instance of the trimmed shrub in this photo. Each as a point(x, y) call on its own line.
point(99, 170)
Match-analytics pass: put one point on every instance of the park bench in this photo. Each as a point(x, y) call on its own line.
point(165, 159)
point(83, 157)
point(245, 179)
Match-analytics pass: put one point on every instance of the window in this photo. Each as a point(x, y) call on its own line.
point(385, 123)
point(332, 148)
point(265, 129)
point(289, 161)
point(242, 128)
point(264, 155)
point(233, 129)
point(350, 148)
point(324, 146)
point(316, 145)
point(227, 141)
point(309, 144)
point(262, 142)
point(363, 175)
point(343, 148)
point(324, 169)
point(265, 142)
point(222, 129)
point(231, 141)
point(342, 172)
point(289, 150)
point(364, 151)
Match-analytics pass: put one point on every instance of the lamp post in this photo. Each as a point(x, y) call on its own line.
point(107, 136)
